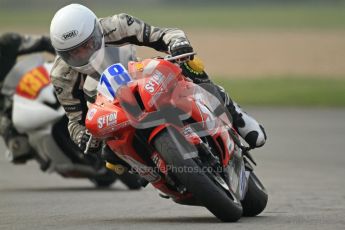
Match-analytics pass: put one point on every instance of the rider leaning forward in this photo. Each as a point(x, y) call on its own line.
point(79, 38)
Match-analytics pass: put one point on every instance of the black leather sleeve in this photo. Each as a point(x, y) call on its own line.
point(13, 45)
point(31, 44)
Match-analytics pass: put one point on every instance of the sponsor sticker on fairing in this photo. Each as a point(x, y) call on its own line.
point(107, 120)
point(155, 81)
point(31, 84)
point(91, 113)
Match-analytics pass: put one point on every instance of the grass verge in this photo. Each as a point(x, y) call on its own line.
point(286, 91)
point(225, 17)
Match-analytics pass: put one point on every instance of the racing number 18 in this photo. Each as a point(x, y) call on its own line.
point(113, 77)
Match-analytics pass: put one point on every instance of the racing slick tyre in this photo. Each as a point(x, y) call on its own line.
point(132, 181)
point(104, 181)
point(256, 197)
point(170, 143)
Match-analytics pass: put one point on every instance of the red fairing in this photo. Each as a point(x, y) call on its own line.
point(157, 81)
point(105, 119)
point(156, 84)
point(215, 128)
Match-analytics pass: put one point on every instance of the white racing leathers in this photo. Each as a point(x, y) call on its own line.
point(74, 88)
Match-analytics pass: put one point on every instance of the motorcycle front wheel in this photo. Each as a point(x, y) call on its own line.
point(171, 145)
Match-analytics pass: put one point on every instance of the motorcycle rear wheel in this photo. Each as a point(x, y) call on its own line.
point(256, 198)
point(199, 183)
point(104, 181)
point(132, 181)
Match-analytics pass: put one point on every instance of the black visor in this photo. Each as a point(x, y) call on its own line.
point(80, 55)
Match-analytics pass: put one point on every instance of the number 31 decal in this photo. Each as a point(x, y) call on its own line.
point(111, 79)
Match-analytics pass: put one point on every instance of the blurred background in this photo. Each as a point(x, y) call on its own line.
point(268, 52)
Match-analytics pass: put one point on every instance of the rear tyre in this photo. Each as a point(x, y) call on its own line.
point(256, 198)
point(199, 183)
point(104, 181)
point(132, 181)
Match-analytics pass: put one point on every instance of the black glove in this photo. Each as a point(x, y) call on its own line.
point(94, 146)
point(180, 46)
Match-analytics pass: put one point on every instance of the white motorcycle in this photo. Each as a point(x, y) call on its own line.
point(36, 127)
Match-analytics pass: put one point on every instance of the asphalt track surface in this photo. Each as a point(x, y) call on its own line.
point(302, 166)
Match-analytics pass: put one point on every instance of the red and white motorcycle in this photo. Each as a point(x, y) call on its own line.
point(177, 136)
point(39, 127)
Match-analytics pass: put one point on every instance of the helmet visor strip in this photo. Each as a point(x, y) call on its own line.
point(80, 55)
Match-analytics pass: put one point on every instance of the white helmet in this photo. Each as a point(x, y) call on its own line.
point(76, 35)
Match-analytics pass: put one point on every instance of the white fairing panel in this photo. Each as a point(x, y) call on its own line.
point(31, 114)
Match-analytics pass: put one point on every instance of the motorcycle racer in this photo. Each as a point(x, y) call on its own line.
point(79, 38)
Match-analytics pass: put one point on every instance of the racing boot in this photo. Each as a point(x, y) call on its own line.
point(248, 128)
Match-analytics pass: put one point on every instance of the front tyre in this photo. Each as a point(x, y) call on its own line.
point(256, 198)
point(199, 183)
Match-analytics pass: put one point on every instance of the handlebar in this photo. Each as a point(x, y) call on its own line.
point(182, 56)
